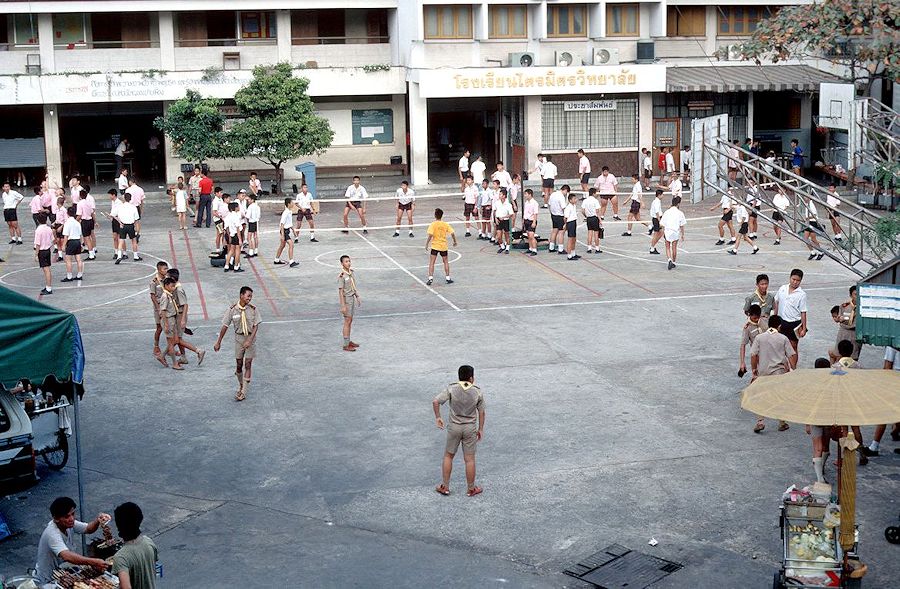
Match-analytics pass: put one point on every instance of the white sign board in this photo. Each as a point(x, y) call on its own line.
point(579, 105)
point(879, 301)
point(836, 105)
point(705, 166)
point(534, 81)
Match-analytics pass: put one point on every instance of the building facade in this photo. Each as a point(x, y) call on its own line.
point(405, 84)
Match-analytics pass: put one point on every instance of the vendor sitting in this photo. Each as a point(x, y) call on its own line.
point(56, 545)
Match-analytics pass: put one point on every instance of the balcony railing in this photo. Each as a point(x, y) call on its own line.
point(338, 40)
point(223, 42)
point(108, 45)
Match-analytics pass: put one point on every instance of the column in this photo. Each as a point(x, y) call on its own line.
point(167, 41)
point(750, 114)
point(712, 28)
point(597, 20)
point(645, 121)
point(418, 136)
point(51, 144)
point(284, 35)
point(45, 43)
point(533, 137)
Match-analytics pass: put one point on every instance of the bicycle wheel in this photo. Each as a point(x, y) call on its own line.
point(57, 457)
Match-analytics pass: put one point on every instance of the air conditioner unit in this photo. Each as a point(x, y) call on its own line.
point(646, 51)
point(33, 64)
point(521, 59)
point(568, 59)
point(606, 57)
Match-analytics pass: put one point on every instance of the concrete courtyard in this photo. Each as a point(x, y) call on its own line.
point(612, 412)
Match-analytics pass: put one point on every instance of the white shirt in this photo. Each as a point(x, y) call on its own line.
point(637, 192)
point(832, 200)
point(120, 150)
point(530, 210)
point(812, 213)
point(548, 171)
point(407, 197)
point(463, 165)
point(781, 201)
point(670, 162)
point(53, 541)
point(122, 181)
point(253, 213)
point(656, 208)
point(72, 228)
point(685, 160)
point(556, 203)
point(254, 185)
point(76, 193)
point(768, 165)
point(590, 206)
point(673, 220)
point(503, 210)
point(233, 222)
point(584, 165)
point(733, 153)
point(287, 219)
point(181, 201)
point(127, 213)
point(790, 306)
point(892, 355)
point(114, 207)
point(648, 163)
point(504, 178)
point(606, 184)
point(740, 214)
point(355, 193)
point(571, 212)
point(478, 169)
point(486, 197)
point(753, 196)
point(11, 199)
point(725, 202)
point(303, 200)
point(676, 187)
point(470, 195)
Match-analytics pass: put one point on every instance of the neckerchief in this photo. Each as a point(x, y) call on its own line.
point(245, 329)
point(771, 330)
point(761, 298)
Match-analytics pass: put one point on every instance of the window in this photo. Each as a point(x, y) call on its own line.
point(448, 22)
point(741, 20)
point(562, 129)
point(566, 21)
point(622, 20)
point(686, 21)
point(25, 27)
point(509, 22)
point(68, 30)
point(258, 25)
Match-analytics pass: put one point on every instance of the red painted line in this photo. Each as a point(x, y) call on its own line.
point(172, 249)
point(187, 242)
point(620, 277)
point(561, 275)
point(262, 284)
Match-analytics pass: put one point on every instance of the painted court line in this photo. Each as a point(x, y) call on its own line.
point(262, 283)
point(533, 259)
point(172, 249)
point(187, 243)
point(411, 275)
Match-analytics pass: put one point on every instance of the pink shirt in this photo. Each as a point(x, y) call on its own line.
point(606, 184)
point(223, 209)
point(43, 237)
point(61, 215)
point(137, 195)
point(36, 204)
point(530, 210)
point(47, 199)
point(86, 208)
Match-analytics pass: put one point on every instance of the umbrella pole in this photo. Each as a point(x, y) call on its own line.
point(78, 465)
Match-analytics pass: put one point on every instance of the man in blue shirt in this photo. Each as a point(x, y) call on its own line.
point(796, 157)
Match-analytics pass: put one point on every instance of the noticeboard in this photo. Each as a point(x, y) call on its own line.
point(370, 125)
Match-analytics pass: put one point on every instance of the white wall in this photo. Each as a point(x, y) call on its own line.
point(107, 60)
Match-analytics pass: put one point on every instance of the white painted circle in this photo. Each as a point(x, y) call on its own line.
point(39, 280)
point(388, 265)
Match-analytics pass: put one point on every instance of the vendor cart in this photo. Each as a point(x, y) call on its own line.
point(812, 552)
point(51, 430)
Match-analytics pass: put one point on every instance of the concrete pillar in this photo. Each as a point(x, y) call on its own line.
point(167, 41)
point(283, 29)
point(712, 29)
point(597, 20)
point(52, 150)
point(45, 43)
point(645, 121)
point(481, 21)
point(418, 136)
point(750, 114)
point(533, 136)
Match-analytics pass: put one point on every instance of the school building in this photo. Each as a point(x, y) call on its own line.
point(405, 84)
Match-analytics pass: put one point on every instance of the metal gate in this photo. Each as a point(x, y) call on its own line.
point(705, 164)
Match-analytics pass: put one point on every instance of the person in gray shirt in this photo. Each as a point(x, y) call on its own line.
point(466, 426)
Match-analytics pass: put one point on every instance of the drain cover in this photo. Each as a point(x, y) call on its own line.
point(617, 567)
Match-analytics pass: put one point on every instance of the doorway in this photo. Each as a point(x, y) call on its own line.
point(666, 133)
point(458, 124)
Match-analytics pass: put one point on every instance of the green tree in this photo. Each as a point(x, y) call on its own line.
point(277, 119)
point(863, 35)
point(194, 126)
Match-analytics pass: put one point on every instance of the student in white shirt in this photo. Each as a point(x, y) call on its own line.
point(754, 204)
point(742, 216)
point(781, 203)
point(72, 233)
point(485, 200)
point(232, 226)
point(570, 213)
point(254, 213)
point(356, 197)
point(181, 205)
point(495, 200)
point(406, 201)
point(11, 200)
point(655, 216)
point(589, 208)
point(725, 203)
point(557, 205)
point(477, 169)
point(513, 197)
point(529, 223)
point(470, 204)
point(122, 181)
point(606, 185)
point(113, 216)
point(285, 224)
point(833, 203)
point(791, 305)
point(503, 212)
point(812, 228)
point(254, 185)
point(303, 200)
point(219, 209)
point(127, 215)
point(635, 204)
point(646, 169)
point(548, 176)
point(584, 170)
point(734, 156)
point(502, 176)
point(463, 169)
point(673, 223)
point(670, 162)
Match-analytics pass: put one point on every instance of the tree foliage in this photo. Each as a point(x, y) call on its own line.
point(194, 125)
point(863, 35)
point(277, 119)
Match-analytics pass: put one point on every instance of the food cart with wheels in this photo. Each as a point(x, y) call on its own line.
point(51, 429)
point(812, 554)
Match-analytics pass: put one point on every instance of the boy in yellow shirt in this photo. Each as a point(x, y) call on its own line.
point(437, 245)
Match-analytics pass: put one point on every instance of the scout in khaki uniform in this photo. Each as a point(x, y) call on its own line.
point(156, 291)
point(244, 319)
point(181, 321)
point(168, 310)
point(845, 317)
point(349, 298)
point(466, 427)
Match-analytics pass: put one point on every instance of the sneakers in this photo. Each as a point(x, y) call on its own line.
point(468, 234)
point(118, 260)
point(429, 282)
point(279, 262)
point(238, 269)
point(864, 449)
point(561, 252)
point(820, 256)
point(720, 242)
point(365, 231)
point(755, 249)
point(67, 279)
point(501, 250)
point(654, 251)
point(507, 252)
point(811, 256)
point(626, 234)
point(732, 252)
point(449, 281)
point(296, 240)
point(574, 257)
point(138, 259)
point(617, 218)
point(313, 240)
point(294, 264)
point(731, 241)
point(227, 268)
point(411, 234)
point(532, 253)
point(396, 234)
point(44, 291)
point(777, 242)
point(671, 264)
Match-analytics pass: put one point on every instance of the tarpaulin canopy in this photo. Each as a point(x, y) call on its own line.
point(37, 341)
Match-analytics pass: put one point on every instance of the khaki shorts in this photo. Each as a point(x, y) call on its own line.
point(467, 434)
point(239, 352)
point(171, 328)
point(351, 305)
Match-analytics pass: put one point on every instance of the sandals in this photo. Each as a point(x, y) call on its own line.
point(240, 396)
point(760, 426)
point(476, 490)
point(443, 489)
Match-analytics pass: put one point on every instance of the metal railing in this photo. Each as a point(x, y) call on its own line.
point(339, 40)
point(233, 42)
